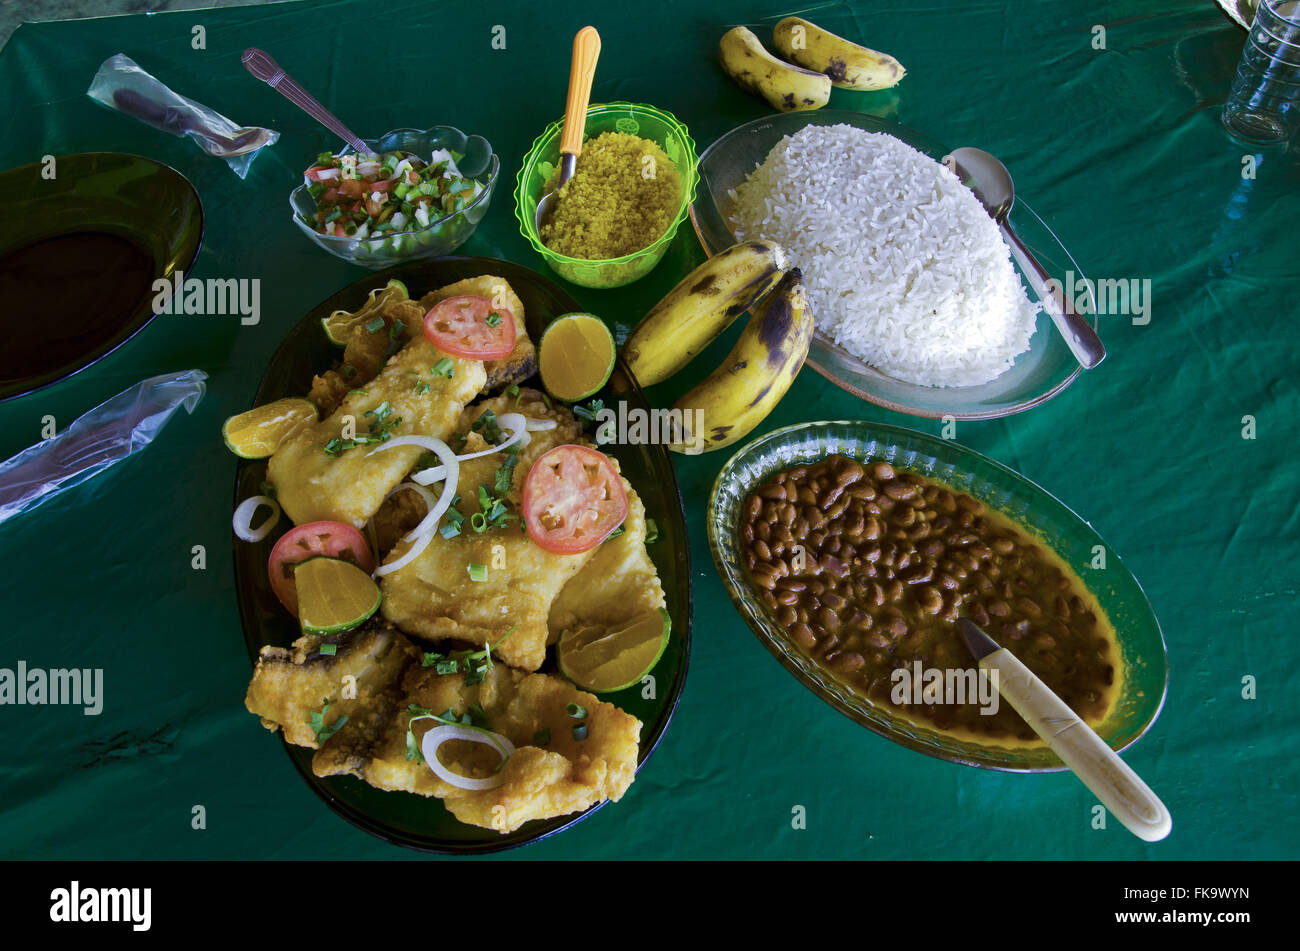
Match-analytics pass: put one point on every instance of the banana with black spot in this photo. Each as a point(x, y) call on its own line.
point(700, 307)
point(755, 70)
point(848, 65)
point(740, 393)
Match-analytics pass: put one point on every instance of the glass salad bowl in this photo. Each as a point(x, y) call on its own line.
point(478, 163)
point(1038, 374)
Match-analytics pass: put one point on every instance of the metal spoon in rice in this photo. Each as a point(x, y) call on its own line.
point(582, 71)
point(989, 179)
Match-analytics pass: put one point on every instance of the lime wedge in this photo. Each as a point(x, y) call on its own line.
point(338, 325)
point(604, 659)
point(333, 595)
point(576, 356)
point(259, 432)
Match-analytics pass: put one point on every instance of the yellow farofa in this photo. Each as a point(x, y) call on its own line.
point(623, 196)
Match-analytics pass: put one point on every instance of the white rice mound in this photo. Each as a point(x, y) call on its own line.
point(903, 266)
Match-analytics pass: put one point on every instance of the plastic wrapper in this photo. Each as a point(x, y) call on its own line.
point(123, 86)
point(112, 431)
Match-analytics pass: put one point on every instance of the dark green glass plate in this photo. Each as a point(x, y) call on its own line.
point(404, 818)
point(142, 203)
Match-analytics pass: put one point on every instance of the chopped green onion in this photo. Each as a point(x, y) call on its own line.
point(329, 650)
point(651, 531)
point(325, 158)
point(443, 367)
point(542, 736)
point(478, 572)
point(374, 325)
point(575, 710)
point(430, 659)
point(580, 732)
point(493, 319)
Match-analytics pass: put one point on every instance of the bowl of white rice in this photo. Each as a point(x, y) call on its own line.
point(919, 306)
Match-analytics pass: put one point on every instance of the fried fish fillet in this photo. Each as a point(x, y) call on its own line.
point(619, 583)
point(565, 775)
point(349, 486)
point(290, 684)
point(434, 596)
point(364, 354)
point(553, 771)
point(522, 361)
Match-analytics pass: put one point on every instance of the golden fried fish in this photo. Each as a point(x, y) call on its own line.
point(349, 485)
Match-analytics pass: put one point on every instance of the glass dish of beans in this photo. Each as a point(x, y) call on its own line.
point(852, 549)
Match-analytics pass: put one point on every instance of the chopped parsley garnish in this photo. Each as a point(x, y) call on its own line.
point(444, 367)
point(473, 664)
point(396, 330)
point(576, 710)
point(487, 426)
point(588, 413)
point(381, 430)
point(322, 729)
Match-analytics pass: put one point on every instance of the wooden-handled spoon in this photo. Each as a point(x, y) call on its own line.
point(582, 72)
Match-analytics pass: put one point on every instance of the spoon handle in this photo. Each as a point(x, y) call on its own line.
point(1074, 327)
point(260, 64)
point(582, 72)
point(1113, 781)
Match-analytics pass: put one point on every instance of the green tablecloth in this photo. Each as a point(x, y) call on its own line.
point(1120, 150)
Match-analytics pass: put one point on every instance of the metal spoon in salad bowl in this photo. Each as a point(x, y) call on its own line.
point(582, 72)
point(989, 179)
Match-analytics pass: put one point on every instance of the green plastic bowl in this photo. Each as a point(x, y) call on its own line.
point(539, 164)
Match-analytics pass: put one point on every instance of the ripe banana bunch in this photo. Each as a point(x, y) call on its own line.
point(848, 65)
point(740, 393)
point(702, 306)
point(755, 70)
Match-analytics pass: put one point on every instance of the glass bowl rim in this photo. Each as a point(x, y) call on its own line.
point(850, 117)
point(527, 228)
point(493, 172)
point(741, 601)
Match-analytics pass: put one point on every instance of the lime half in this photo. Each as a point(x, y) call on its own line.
point(333, 595)
point(259, 432)
point(603, 659)
point(338, 325)
point(576, 356)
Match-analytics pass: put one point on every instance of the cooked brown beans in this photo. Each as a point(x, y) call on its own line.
point(867, 568)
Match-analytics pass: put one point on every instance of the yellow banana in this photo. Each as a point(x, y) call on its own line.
point(848, 65)
point(699, 308)
point(755, 70)
point(755, 376)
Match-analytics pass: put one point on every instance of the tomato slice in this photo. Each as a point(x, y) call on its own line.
point(573, 499)
point(334, 539)
point(463, 327)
